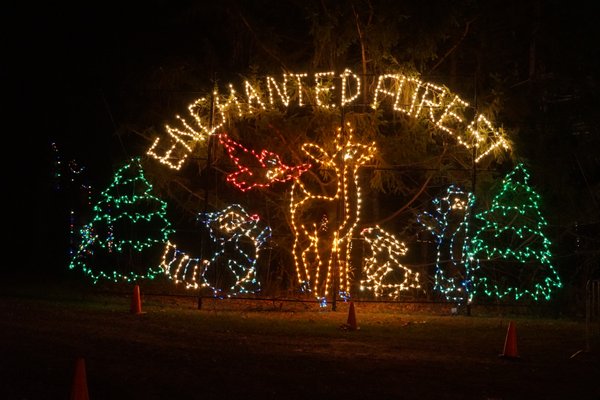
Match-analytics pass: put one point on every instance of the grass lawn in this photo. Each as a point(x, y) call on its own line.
point(279, 351)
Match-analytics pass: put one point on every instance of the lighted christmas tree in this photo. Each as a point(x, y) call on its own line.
point(128, 228)
point(449, 226)
point(510, 246)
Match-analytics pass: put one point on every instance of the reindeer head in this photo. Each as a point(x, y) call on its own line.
point(346, 152)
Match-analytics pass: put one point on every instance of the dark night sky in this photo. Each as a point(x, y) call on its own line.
point(67, 61)
point(64, 69)
point(68, 67)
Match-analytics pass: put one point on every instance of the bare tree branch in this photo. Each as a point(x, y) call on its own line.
point(451, 50)
point(415, 197)
point(259, 42)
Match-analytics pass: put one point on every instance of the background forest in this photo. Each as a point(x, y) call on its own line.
point(96, 84)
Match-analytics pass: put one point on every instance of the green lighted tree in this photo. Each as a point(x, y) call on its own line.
point(510, 247)
point(126, 222)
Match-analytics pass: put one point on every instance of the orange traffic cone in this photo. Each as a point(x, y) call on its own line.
point(79, 391)
point(136, 303)
point(510, 344)
point(351, 318)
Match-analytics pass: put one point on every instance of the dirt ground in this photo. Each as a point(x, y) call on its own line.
point(281, 351)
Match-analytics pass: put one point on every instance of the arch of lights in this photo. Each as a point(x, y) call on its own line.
point(397, 93)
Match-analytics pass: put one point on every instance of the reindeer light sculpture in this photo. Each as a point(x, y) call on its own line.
point(322, 251)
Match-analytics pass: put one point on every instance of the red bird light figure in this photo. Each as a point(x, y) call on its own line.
point(257, 170)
